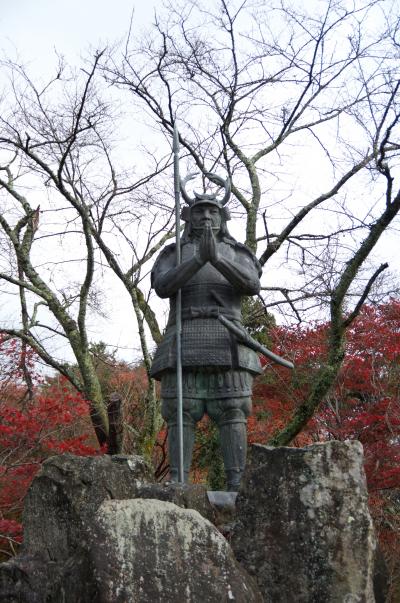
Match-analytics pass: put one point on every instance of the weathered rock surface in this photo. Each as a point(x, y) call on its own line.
point(152, 551)
point(98, 530)
point(304, 529)
point(55, 564)
point(68, 491)
point(188, 496)
point(58, 510)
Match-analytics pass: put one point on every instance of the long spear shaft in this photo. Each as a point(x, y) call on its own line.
point(179, 397)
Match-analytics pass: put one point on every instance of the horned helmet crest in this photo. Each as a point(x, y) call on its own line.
point(211, 199)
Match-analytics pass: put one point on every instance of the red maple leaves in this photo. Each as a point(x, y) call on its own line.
point(55, 421)
point(363, 405)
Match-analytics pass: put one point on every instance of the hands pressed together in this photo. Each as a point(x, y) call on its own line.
point(208, 249)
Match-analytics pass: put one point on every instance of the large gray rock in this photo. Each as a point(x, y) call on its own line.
point(55, 563)
point(151, 551)
point(68, 491)
point(304, 529)
point(186, 496)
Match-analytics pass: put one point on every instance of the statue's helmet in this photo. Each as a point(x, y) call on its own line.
point(210, 199)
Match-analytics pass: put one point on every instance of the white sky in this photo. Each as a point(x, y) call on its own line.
point(34, 28)
point(31, 31)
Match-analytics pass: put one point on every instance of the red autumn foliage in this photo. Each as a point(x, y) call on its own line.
point(364, 405)
point(13, 358)
point(55, 421)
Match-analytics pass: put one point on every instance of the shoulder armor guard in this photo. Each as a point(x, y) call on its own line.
point(248, 251)
point(164, 253)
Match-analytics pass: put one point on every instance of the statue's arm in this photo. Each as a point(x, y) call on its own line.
point(242, 272)
point(167, 278)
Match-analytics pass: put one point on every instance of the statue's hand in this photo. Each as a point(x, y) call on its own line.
point(208, 246)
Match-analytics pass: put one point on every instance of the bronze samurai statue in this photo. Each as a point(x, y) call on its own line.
point(215, 273)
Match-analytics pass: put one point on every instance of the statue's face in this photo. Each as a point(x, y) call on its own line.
point(203, 214)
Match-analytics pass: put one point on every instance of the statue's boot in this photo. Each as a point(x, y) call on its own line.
point(233, 437)
point(173, 448)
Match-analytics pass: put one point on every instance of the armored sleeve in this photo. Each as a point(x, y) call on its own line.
point(166, 277)
point(243, 271)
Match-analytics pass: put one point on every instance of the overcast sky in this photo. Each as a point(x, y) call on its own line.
point(31, 31)
point(34, 28)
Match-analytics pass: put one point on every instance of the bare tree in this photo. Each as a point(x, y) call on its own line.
point(55, 146)
point(256, 87)
point(272, 95)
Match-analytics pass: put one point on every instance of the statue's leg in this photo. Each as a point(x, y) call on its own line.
point(193, 410)
point(231, 418)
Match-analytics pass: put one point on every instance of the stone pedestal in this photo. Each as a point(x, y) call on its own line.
point(303, 527)
point(98, 530)
point(152, 551)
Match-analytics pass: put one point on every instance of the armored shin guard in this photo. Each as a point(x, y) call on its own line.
point(233, 435)
point(173, 448)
